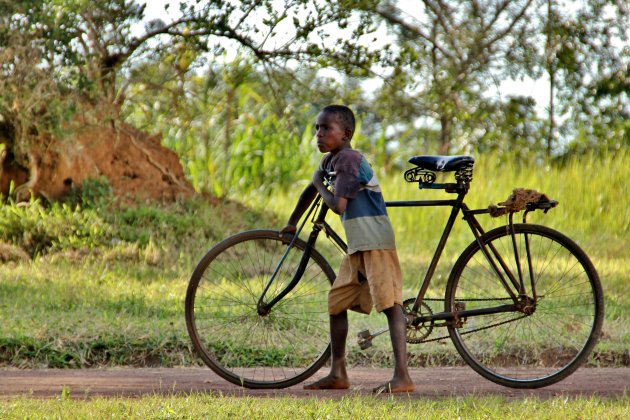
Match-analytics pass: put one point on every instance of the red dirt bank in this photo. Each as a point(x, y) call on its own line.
point(136, 165)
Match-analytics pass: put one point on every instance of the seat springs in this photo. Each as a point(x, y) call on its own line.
point(420, 175)
point(465, 174)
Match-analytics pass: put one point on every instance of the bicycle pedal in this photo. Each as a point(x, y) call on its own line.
point(364, 334)
point(366, 344)
point(365, 339)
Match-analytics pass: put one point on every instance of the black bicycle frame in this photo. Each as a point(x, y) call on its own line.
point(492, 255)
point(468, 215)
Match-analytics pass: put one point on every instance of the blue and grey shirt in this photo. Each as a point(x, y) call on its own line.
point(365, 220)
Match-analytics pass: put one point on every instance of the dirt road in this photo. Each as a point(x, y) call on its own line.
point(431, 383)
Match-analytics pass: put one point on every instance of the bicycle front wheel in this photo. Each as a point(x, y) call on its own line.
point(274, 350)
point(549, 340)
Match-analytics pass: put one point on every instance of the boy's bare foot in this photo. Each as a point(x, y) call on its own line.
point(329, 382)
point(394, 386)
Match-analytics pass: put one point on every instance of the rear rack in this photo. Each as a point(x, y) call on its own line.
point(523, 199)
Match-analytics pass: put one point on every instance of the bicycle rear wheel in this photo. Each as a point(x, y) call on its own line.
point(522, 350)
point(275, 350)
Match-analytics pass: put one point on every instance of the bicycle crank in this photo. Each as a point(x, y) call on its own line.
point(365, 337)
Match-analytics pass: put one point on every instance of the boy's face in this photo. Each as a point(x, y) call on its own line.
point(330, 134)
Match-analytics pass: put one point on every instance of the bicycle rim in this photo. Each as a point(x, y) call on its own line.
point(515, 349)
point(276, 350)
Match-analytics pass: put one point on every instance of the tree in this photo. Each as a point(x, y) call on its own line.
point(509, 128)
point(451, 51)
point(594, 66)
point(31, 101)
point(96, 38)
point(586, 59)
point(90, 50)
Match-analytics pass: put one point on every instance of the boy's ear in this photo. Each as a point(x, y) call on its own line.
point(348, 134)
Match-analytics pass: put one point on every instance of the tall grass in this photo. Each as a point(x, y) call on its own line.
point(594, 211)
point(593, 206)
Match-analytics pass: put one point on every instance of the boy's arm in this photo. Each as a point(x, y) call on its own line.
point(305, 200)
point(334, 202)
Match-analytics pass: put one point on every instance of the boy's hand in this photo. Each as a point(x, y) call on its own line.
point(288, 230)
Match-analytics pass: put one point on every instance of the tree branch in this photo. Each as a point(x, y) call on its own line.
point(391, 18)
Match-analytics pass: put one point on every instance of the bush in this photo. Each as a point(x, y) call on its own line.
point(37, 229)
point(93, 193)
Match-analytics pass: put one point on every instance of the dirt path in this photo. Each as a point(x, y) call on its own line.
point(431, 383)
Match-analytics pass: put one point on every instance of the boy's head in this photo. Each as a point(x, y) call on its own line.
point(334, 128)
point(344, 116)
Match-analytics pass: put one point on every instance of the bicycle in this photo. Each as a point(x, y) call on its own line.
point(523, 303)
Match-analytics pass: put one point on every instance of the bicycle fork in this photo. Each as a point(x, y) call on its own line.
point(264, 308)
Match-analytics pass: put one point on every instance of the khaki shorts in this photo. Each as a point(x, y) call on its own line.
point(382, 289)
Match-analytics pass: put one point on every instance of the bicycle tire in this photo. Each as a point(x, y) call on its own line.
point(518, 350)
point(276, 350)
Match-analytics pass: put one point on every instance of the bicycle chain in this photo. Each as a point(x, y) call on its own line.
point(467, 300)
point(475, 330)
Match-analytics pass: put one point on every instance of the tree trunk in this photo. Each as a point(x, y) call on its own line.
point(552, 118)
point(552, 81)
point(445, 134)
point(227, 140)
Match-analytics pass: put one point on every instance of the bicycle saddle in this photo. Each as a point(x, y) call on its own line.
point(442, 163)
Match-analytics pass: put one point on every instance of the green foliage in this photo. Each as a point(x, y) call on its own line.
point(145, 223)
point(237, 132)
point(243, 130)
point(447, 68)
point(242, 123)
point(510, 130)
point(265, 156)
point(93, 193)
point(62, 57)
point(127, 276)
point(91, 221)
point(116, 350)
point(37, 229)
point(587, 57)
point(31, 102)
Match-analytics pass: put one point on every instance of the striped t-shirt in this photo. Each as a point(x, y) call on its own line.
point(365, 220)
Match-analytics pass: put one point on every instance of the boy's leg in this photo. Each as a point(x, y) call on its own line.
point(401, 381)
point(338, 377)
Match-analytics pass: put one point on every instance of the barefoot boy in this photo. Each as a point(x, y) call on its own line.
point(356, 196)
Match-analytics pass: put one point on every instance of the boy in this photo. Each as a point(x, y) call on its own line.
point(357, 197)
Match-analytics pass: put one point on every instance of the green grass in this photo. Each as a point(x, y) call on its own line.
point(106, 285)
point(114, 298)
point(97, 313)
point(196, 406)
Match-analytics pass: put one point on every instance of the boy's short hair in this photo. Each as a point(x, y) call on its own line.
point(344, 115)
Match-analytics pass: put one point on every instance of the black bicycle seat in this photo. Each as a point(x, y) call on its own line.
point(442, 163)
